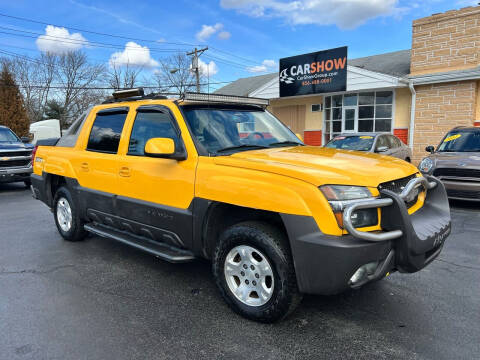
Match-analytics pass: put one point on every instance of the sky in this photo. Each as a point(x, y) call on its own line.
point(244, 37)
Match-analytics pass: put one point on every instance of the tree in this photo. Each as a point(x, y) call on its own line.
point(123, 77)
point(53, 110)
point(175, 74)
point(35, 77)
point(79, 84)
point(12, 109)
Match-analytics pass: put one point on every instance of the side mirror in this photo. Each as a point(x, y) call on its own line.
point(25, 139)
point(163, 148)
point(299, 136)
point(430, 149)
point(381, 149)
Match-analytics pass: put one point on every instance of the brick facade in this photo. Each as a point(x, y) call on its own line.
point(446, 42)
point(439, 108)
point(313, 137)
point(440, 43)
point(402, 134)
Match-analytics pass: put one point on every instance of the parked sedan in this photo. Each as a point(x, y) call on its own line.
point(456, 162)
point(386, 144)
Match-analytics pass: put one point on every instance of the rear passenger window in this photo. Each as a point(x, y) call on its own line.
point(148, 125)
point(106, 131)
point(393, 141)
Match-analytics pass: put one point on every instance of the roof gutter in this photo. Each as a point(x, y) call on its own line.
point(412, 114)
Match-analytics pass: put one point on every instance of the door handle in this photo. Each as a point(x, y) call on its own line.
point(124, 171)
point(84, 166)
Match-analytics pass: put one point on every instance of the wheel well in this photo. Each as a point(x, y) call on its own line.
point(221, 216)
point(55, 182)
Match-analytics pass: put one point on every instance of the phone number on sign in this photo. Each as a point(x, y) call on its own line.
point(317, 82)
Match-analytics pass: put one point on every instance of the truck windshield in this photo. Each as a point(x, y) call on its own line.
point(7, 135)
point(224, 131)
point(359, 143)
point(461, 141)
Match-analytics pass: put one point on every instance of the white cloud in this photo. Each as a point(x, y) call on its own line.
point(267, 65)
point(57, 40)
point(346, 14)
point(209, 69)
point(207, 31)
point(224, 35)
point(134, 55)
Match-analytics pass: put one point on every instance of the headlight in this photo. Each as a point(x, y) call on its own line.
point(345, 192)
point(340, 196)
point(426, 165)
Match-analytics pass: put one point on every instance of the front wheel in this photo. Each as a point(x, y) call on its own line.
point(69, 224)
point(254, 271)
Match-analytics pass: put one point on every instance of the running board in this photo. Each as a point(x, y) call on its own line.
point(163, 251)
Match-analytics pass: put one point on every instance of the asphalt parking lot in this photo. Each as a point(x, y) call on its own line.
point(99, 299)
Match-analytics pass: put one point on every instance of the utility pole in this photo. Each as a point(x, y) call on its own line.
point(196, 53)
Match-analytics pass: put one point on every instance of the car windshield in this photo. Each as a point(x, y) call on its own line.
point(461, 141)
point(223, 131)
point(359, 143)
point(7, 135)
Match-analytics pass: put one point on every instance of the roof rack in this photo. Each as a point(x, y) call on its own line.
point(193, 96)
point(133, 94)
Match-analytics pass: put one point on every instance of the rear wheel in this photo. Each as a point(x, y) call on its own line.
point(254, 271)
point(69, 225)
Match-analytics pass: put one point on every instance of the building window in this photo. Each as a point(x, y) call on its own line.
point(373, 112)
point(316, 107)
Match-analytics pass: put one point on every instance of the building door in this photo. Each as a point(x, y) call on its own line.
point(350, 119)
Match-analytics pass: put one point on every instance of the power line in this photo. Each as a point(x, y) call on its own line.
point(82, 42)
point(127, 38)
point(95, 32)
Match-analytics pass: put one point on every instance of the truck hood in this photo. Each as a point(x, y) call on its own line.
point(320, 166)
point(15, 146)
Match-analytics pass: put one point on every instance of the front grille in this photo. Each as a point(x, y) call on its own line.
point(456, 172)
point(464, 194)
point(14, 163)
point(397, 186)
point(15, 153)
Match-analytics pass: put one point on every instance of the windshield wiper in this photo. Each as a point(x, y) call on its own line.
point(243, 146)
point(288, 142)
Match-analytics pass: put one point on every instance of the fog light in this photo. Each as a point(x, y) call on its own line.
point(364, 218)
point(362, 273)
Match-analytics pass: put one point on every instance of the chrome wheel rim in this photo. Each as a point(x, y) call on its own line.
point(64, 214)
point(249, 275)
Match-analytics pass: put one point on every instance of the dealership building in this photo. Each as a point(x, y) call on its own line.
point(417, 94)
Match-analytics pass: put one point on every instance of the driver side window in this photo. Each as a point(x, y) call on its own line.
point(382, 142)
point(148, 125)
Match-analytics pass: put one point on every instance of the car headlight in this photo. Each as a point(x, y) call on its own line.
point(345, 192)
point(426, 165)
point(339, 196)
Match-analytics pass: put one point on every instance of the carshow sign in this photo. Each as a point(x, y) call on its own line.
point(314, 73)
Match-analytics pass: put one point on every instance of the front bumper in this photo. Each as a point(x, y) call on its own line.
point(462, 190)
point(325, 264)
point(15, 174)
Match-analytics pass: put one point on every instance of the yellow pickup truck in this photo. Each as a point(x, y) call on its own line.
point(219, 177)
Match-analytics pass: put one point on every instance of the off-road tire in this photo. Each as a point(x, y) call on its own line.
point(274, 245)
point(76, 231)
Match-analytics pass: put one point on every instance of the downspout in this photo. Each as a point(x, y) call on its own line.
point(412, 114)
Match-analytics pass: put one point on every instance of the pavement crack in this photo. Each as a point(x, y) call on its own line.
point(459, 265)
point(36, 271)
